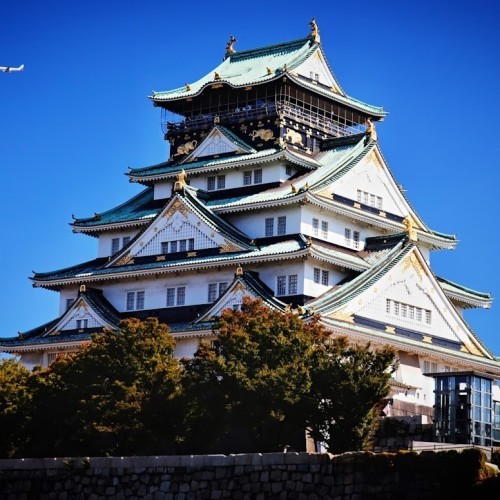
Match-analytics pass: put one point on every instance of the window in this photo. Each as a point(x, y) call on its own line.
point(218, 181)
point(281, 225)
point(176, 296)
point(252, 177)
point(351, 238)
point(286, 285)
point(115, 245)
point(324, 277)
point(324, 229)
point(316, 275)
point(321, 276)
point(347, 236)
point(408, 311)
point(430, 367)
point(288, 170)
point(370, 199)
point(135, 300)
point(177, 246)
point(269, 230)
point(215, 290)
point(69, 303)
point(247, 178)
point(315, 226)
point(82, 323)
point(281, 285)
point(314, 76)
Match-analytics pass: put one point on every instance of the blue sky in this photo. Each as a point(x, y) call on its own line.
point(78, 116)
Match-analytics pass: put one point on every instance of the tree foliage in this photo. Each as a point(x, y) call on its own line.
point(14, 406)
point(269, 376)
point(115, 396)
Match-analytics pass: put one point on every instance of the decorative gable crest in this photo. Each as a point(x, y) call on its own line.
point(80, 316)
point(408, 301)
point(219, 141)
point(178, 228)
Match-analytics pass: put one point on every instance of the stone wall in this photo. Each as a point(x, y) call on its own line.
point(254, 476)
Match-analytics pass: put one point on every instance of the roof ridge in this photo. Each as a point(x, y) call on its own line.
point(292, 44)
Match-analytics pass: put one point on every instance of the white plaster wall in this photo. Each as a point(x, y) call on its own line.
point(316, 289)
point(269, 273)
point(369, 175)
point(156, 289)
point(104, 245)
point(271, 172)
point(253, 223)
point(163, 190)
point(66, 293)
point(317, 65)
point(336, 226)
point(185, 348)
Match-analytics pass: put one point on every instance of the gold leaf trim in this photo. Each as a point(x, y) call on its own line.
point(343, 315)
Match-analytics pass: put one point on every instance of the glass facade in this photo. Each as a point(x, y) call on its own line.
point(463, 408)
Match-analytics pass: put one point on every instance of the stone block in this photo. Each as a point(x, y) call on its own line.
point(273, 458)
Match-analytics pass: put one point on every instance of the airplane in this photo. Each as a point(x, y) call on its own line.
point(10, 69)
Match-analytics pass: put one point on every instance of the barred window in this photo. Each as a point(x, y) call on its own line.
point(281, 285)
point(316, 275)
point(69, 303)
point(324, 229)
point(215, 290)
point(115, 245)
point(211, 183)
point(324, 277)
point(347, 236)
point(247, 178)
point(315, 226)
point(135, 300)
point(221, 181)
point(370, 199)
point(173, 246)
point(281, 225)
point(170, 297)
point(176, 296)
point(411, 312)
point(292, 284)
point(269, 229)
point(164, 247)
point(212, 292)
point(257, 176)
point(82, 323)
point(125, 241)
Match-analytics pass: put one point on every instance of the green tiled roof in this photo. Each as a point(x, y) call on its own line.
point(468, 295)
point(250, 67)
point(98, 267)
point(140, 208)
point(328, 164)
point(166, 168)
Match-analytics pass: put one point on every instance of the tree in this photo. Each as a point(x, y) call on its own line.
point(14, 404)
point(115, 396)
point(269, 376)
point(347, 383)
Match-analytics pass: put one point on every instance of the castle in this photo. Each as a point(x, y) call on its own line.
point(277, 188)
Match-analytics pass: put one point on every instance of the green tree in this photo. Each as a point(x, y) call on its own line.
point(347, 383)
point(269, 376)
point(115, 396)
point(14, 404)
